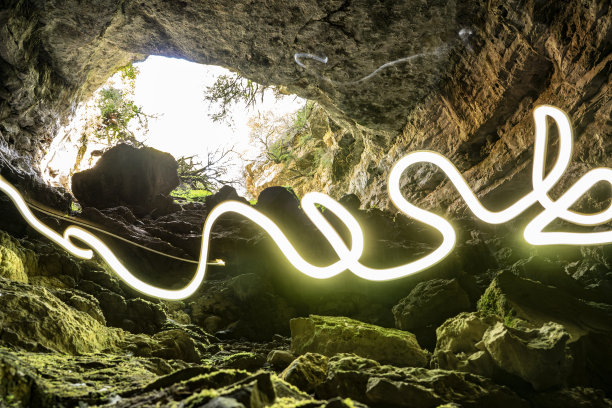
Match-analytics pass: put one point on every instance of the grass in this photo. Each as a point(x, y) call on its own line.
point(190, 195)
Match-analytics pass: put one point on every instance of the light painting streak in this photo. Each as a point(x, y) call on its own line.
point(304, 55)
point(348, 258)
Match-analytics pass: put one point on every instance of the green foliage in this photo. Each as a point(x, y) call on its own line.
point(117, 110)
point(229, 90)
point(189, 194)
point(280, 151)
point(302, 115)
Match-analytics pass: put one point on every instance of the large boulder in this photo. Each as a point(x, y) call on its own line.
point(329, 335)
point(126, 175)
point(538, 356)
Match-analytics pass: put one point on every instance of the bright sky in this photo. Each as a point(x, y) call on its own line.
point(174, 89)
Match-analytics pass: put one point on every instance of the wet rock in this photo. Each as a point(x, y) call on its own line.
point(306, 372)
point(382, 385)
point(126, 175)
point(428, 305)
point(331, 335)
point(538, 356)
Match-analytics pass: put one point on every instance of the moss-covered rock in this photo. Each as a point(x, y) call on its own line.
point(34, 318)
point(538, 356)
point(329, 335)
point(15, 260)
point(512, 297)
point(52, 379)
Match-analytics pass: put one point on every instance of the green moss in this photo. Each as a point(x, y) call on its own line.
point(510, 319)
point(191, 194)
point(488, 302)
point(52, 379)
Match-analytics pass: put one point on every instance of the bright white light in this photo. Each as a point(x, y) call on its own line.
point(174, 90)
point(348, 258)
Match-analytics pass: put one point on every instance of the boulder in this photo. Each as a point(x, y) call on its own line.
point(512, 297)
point(428, 305)
point(538, 356)
point(127, 175)
point(329, 335)
point(459, 344)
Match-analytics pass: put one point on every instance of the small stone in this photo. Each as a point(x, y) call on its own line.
point(280, 359)
point(307, 371)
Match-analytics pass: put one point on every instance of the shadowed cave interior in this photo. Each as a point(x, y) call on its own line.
point(497, 323)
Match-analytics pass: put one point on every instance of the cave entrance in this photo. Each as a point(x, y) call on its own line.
point(204, 115)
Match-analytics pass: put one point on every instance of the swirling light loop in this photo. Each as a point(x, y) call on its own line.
point(348, 258)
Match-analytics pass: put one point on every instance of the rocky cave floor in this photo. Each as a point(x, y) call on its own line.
point(496, 324)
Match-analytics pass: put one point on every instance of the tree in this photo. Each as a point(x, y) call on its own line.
point(118, 109)
point(228, 90)
point(209, 176)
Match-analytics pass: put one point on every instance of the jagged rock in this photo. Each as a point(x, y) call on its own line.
point(306, 372)
point(329, 335)
point(125, 175)
point(538, 356)
point(512, 297)
point(459, 344)
point(382, 385)
point(428, 305)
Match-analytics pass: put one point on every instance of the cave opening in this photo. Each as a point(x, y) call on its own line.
point(213, 121)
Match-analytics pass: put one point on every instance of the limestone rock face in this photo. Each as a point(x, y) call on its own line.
point(331, 335)
point(126, 175)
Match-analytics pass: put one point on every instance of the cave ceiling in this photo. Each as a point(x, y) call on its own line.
point(477, 70)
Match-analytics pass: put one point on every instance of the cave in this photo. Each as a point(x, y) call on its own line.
point(504, 318)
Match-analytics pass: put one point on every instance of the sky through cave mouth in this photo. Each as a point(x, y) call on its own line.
point(171, 95)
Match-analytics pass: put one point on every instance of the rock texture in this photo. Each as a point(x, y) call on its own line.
point(331, 335)
point(126, 175)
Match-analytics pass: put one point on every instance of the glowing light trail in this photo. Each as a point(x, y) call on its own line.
point(348, 258)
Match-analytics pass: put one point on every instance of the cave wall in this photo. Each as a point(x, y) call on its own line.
point(469, 97)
